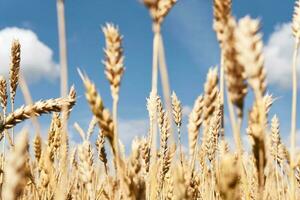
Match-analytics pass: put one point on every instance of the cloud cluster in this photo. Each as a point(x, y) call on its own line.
point(36, 57)
point(278, 56)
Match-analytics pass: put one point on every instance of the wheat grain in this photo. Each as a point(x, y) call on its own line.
point(3, 93)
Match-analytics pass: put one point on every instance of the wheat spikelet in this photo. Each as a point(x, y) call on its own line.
point(152, 105)
point(101, 150)
point(249, 46)
point(159, 8)
point(195, 121)
point(145, 151)
point(160, 113)
point(222, 11)
point(37, 146)
point(177, 110)
point(14, 68)
point(296, 20)
point(235, 73)
point(3, 93)
point(177, 115)
point(37, 109)
point(275, 135)
point(16, 172)
point(114, 66)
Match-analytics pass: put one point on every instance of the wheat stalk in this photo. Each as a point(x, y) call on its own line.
point(296, 33)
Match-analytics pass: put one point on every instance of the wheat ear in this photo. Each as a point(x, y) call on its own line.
point(37, 146)
point(101, 113)
point(37, 109)
point(195, 121)
point(177, 115)
point(14, 73)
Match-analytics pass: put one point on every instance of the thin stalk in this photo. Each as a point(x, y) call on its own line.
point(277, 178)
point(180, 147)
point(12, 129)
point(153, 124)
point(4, 140)
point(235, 129)
point(222, 132)
point(115, 118)
point(151, 121)
point(293, 121)
point(64, 92)
point(165, 81)
point(62, 47)
point(154, 86)
point(28, 101)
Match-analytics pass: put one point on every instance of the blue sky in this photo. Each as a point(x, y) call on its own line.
point(190, 43)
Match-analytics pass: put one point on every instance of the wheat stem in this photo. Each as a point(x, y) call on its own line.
point(165, 81)
point(293, 120)
point(62, 47)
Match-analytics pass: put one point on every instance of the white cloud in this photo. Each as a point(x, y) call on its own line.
point(278, 56)
point(129, 129)
point(186, 110)
point(36, 57)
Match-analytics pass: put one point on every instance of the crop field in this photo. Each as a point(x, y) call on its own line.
point(158, 165)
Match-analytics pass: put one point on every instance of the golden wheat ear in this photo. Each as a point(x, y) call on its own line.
point(14, 68)
point(114, 59)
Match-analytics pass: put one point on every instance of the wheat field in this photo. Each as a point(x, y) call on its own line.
point(157, 166)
